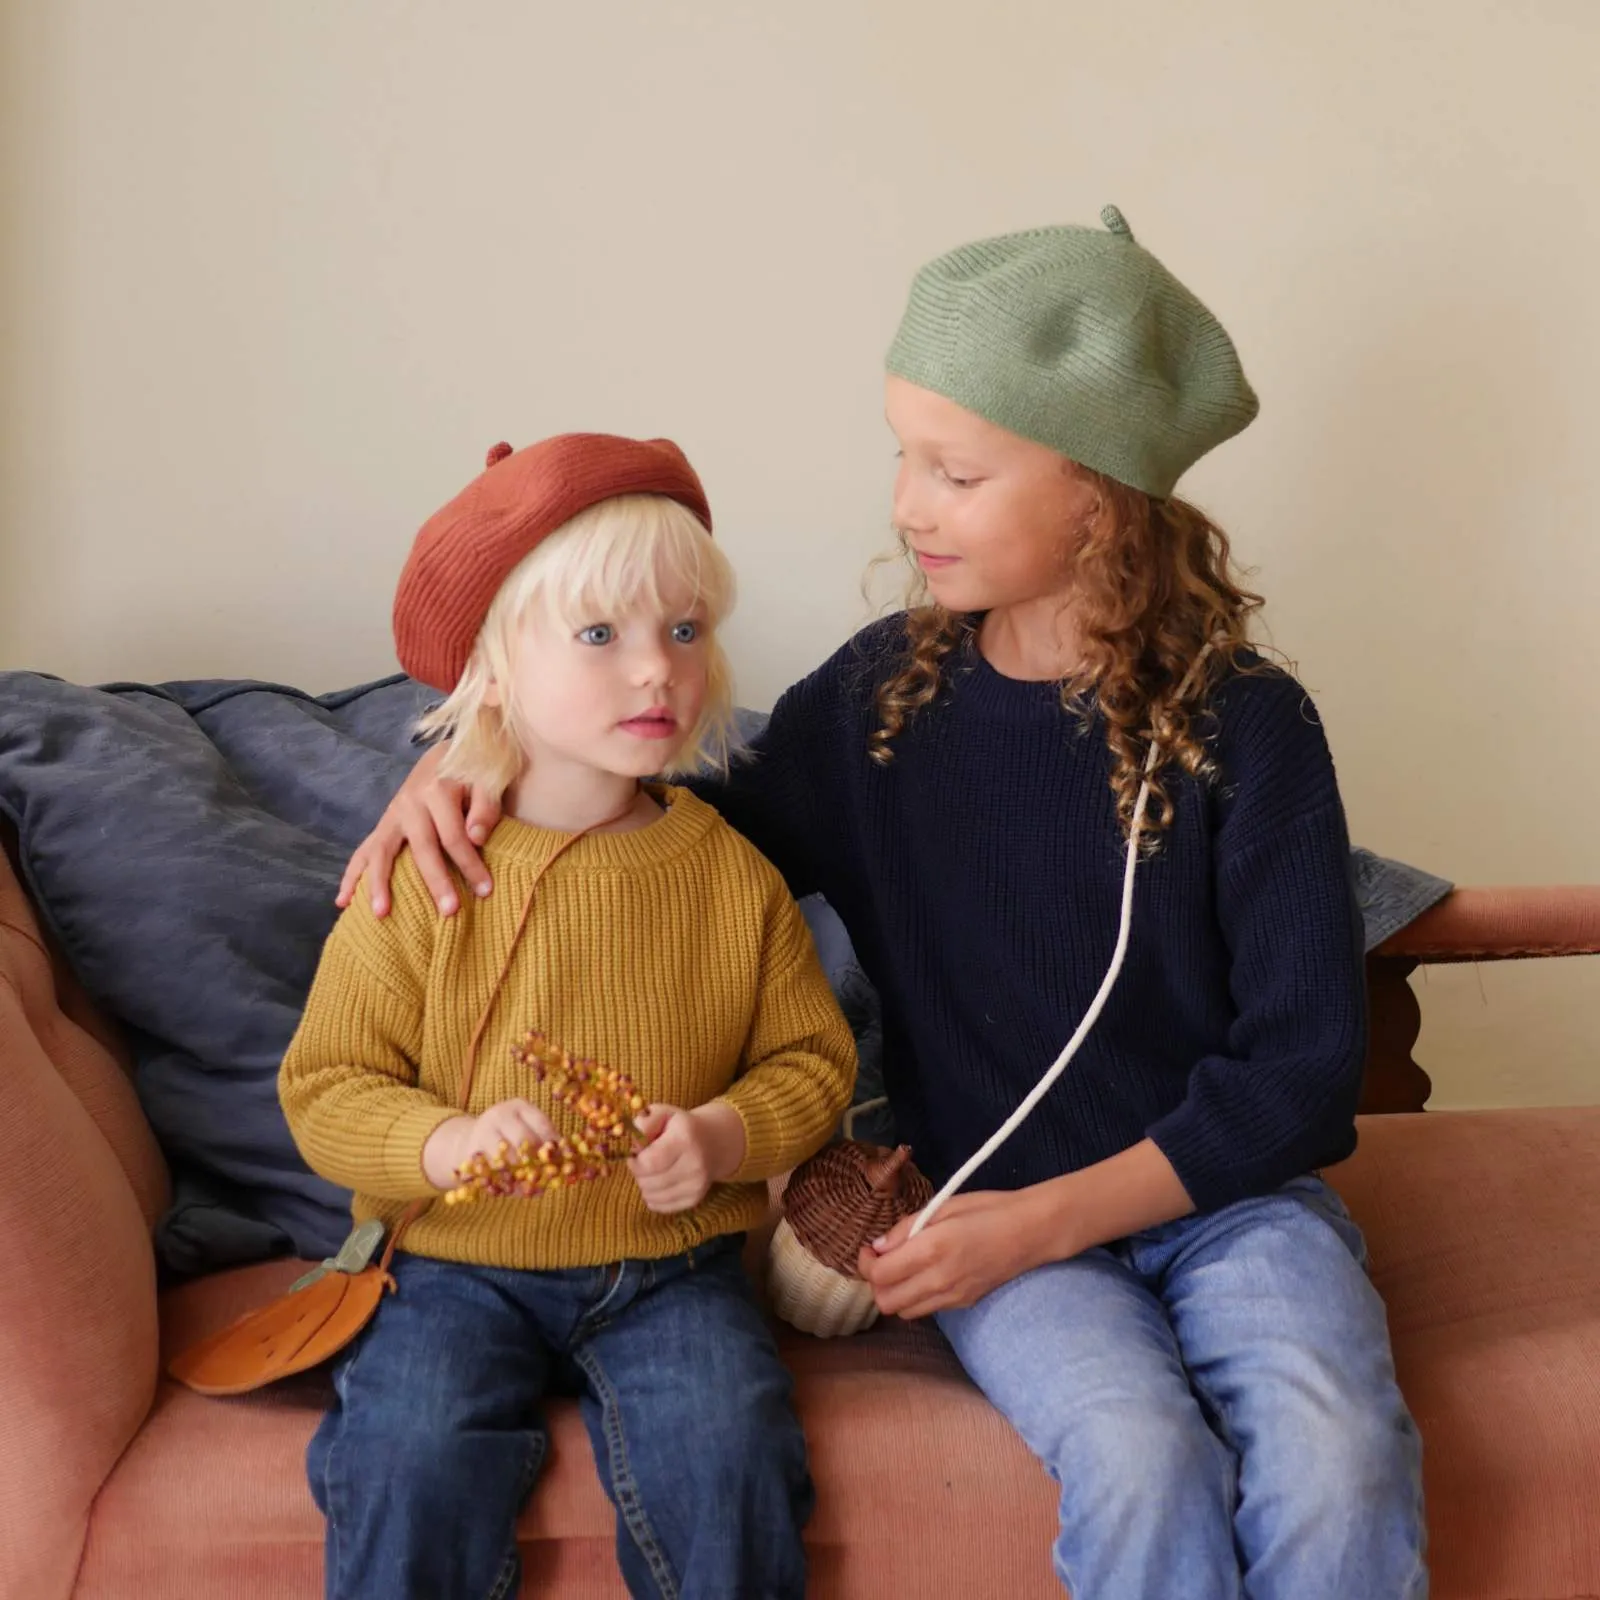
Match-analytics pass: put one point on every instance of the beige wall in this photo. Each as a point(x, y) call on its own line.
point(275, 275)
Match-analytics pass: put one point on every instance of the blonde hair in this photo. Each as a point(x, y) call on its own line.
point(613, 558)
point(1154, 585)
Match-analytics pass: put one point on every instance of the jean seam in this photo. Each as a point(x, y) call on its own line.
point(501, 1588)
point(623, 1485)
point(595, 1318)
point(333, 1558)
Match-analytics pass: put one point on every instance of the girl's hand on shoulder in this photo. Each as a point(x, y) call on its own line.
point(439, 819)
point(685, 1153)
point(975, 1243)
point(454, 1143)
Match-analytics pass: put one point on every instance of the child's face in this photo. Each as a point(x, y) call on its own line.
point(619, 694)
point(990, 516)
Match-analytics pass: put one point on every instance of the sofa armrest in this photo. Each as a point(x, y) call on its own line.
point(1467, 925)
point(1503, 925)
point(78, 1322)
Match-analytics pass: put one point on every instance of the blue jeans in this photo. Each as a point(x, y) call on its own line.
point(1217, 1400)
point(435, 1437)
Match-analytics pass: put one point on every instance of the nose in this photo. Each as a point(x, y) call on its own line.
point(652, 663)
point(911, 512)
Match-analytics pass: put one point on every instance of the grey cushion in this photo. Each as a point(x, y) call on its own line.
point(184, 843)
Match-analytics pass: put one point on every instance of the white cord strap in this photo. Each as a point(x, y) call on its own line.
point(1096, 1006)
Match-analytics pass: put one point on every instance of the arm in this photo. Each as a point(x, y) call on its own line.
point(800, 1058)
point(1281, 1097)
point(795, 1080)
point(348, 1082)
point(768, 793)
point(980, 1240)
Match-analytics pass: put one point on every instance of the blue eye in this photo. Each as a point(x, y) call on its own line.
point(686, 633)
point(597, 633)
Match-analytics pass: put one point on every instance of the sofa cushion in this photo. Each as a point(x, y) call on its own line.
point(1484, 1230)
point(908, 1457)
point(79, 1180)
point(184, 843)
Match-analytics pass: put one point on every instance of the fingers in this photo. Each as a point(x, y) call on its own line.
point(671, 1170)
point(895, 1237)
point(482, 815)
point(652, 1120)
point(435, 870)
point(444, 819)
point(354, 867)
point(511, 1123)
point(531, 1123)
point(373, 860)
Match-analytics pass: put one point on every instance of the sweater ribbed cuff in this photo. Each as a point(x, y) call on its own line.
point(402, 1150)
point(768, 1148)
point(1213, 1175)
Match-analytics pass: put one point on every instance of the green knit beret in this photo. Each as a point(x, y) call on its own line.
point(1082, 341)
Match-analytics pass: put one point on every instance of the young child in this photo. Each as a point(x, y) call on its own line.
point(1148, 1278)
point(567, 602)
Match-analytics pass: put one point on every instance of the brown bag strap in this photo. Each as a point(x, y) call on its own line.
point(469, 1069)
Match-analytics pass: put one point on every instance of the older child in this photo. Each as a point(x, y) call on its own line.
point(1150, 1280)
point(567, 603)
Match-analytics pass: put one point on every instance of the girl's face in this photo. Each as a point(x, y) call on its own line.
point(989, 516)
point(619, 695)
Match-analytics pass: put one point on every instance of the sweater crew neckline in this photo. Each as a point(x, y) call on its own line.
point(991, 692)
point(685, 823)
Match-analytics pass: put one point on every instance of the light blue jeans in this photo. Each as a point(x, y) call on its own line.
point(1217, 1400)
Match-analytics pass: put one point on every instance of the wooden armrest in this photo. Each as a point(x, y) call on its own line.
point(1467, 925)
point(1503, 925)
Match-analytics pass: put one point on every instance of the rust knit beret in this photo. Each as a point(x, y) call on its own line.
point(469, 547)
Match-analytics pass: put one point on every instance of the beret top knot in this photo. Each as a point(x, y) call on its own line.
point(469, 547)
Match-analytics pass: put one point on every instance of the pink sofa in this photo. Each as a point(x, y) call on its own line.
point(114, 1482)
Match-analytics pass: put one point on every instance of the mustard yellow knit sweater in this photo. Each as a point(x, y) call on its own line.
point(673, 953)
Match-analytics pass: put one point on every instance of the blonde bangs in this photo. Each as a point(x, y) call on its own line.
point(634, 553)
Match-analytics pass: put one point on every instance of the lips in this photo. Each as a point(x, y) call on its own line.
point(932, 563)
point(653, 724)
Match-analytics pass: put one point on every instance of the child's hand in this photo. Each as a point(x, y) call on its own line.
point(452, 1144)
point(686, 1152)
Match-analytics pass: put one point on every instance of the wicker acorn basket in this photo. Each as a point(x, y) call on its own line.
point(836, 1203)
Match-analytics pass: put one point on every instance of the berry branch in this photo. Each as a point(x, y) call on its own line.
point(605, 1100)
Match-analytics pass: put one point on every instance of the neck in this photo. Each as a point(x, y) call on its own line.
point(565, 798)
point(1035, 640)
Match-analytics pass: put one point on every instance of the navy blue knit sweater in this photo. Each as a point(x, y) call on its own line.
point(979, 875)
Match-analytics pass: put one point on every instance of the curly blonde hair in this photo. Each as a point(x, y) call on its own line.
point(1153, 585)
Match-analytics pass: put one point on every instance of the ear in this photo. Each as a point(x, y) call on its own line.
point(492, 695)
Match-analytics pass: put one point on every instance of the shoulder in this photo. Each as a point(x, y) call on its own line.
point(736, 863)
point(852, 674)
point(1260, 709)
point(406, 935)
point(1268, 742)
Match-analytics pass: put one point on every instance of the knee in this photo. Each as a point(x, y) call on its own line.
point(420, 1457)
point(755, 1443)
point(1141, 1462)
point(1355, 1455)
